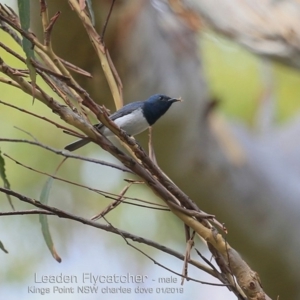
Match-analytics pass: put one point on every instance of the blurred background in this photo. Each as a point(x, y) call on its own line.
point(232, 145)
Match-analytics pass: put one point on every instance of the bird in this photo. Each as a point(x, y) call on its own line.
point(133, 118)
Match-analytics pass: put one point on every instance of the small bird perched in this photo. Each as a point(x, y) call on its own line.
point(133, 118)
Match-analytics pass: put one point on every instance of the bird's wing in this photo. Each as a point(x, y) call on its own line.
point(125, 110)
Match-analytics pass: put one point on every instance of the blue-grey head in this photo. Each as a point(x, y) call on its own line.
point(157, 105)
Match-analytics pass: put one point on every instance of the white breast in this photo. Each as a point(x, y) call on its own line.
point(133, 123)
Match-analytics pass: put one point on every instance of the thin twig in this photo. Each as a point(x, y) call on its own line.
point(189, 246)
point(67, 154)
point(48, 29)
point(106, 21)
point(192, 213)
point(112, 205)
point(26, 212)
point(76, 68)
point(12, 52)
point(207, 261)
point(28, 133)
point(42, 118)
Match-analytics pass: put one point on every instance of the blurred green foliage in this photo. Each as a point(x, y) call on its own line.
point(236, 77)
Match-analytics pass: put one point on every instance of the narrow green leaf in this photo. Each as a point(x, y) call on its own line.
point(91, 11)
point(2, 247)
point(4, 178)
point(24, 14)
point(44, 220)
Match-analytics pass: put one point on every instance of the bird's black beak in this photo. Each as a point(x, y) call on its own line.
point(175, 100)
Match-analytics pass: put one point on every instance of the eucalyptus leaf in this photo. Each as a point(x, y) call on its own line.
point(24, 14)
point(44, 220)
point(4, 178)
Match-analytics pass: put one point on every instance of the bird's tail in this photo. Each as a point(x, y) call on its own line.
point(77, 144)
